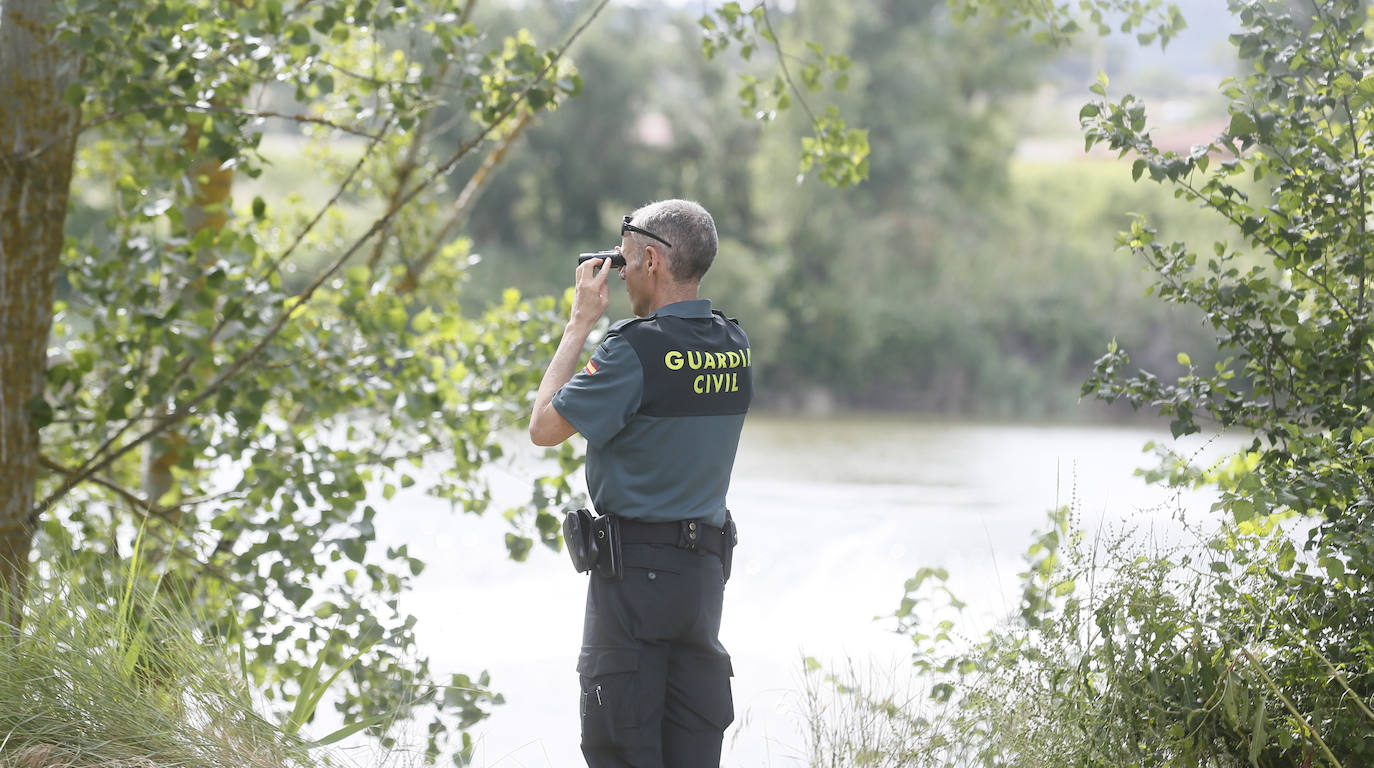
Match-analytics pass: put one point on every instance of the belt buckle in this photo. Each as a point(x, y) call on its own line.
point(688, 533)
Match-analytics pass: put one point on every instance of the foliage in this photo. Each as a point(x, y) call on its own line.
point(1056, 23)
point(877, 284)
point(839, 152)
point(1190, 653)
point(654, 121)
point(1249, 644)
point(81, 689)
point(964, 280)
point(1299, 328)
point(1298, 332)
point(237, 378)
point(239, 373)
point(860, 716)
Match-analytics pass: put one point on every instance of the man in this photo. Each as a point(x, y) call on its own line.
point(661, 404)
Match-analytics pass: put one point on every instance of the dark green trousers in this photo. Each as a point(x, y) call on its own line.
point(654, 678)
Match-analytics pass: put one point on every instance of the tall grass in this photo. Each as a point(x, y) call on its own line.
point(111, 678)
point(862, 714)
point(1189, 648)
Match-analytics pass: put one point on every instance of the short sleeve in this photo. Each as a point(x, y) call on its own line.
point(600, 399)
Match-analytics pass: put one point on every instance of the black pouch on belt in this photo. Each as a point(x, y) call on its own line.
point(579, 539)
point(606, 533)
point(731, 537)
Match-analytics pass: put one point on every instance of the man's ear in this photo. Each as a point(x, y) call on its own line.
point(652, 259)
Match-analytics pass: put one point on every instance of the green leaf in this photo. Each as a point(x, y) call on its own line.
point(1241, 125)
point(312, 688)
point(349, 730)
point(518, 547)
point(1364, 93)
point(1287, 556)
point(1334, 567)
point(1259, 737)
point(1181, 427)
point(355, 549)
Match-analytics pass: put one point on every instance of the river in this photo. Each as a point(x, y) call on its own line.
point(834, 515)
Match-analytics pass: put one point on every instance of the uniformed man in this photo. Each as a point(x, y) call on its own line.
point(661, 404)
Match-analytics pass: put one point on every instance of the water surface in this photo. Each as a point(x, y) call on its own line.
point(834, 515)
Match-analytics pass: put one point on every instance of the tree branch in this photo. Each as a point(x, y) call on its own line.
point(1357, 343)
point(232, 370)
point(466, 198)
point(1207, 201)
point(403, 174)
point(787, 74)
point(298, 117)
point(409, 165)
point(146, 507)
point(195, 107)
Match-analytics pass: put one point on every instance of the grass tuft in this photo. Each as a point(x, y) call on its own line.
point(115, 679)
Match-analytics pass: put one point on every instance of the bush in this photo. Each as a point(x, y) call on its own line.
point(108, 678)
point(1251, 644)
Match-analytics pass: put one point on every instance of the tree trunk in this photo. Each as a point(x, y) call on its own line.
point(37, 143)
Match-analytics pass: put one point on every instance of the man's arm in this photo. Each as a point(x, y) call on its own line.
point(591, 296)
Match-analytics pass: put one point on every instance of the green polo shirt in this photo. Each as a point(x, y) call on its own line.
point(661, 404)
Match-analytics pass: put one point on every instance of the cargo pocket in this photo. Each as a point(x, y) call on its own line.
point(613, 702)
point(717, 701)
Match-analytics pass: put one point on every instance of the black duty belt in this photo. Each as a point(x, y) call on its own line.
point(595, 542)
point(687, 534)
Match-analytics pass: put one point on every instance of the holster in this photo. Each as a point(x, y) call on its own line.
point(579, 539)
point(606, 533)
point(594, 542)
point(731, 536)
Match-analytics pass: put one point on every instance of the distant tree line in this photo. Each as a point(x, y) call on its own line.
point(947, 281)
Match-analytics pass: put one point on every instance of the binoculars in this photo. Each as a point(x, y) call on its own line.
point(616, 258)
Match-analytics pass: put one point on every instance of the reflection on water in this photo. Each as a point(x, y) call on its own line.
point(834, 514)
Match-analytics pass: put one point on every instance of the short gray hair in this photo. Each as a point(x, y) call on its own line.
point(691, 230)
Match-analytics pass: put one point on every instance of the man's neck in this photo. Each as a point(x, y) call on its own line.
point(672, 295)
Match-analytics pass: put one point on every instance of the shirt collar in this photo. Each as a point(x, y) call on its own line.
point(690, 308)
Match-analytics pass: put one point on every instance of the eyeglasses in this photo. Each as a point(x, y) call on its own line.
point(626, 226)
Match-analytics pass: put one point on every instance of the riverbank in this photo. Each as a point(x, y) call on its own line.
point(835, 514)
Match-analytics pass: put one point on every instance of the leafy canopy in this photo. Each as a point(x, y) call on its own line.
point(236, 374)
point(1250, 646)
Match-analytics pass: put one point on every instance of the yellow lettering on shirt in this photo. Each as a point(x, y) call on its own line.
point(727, 363)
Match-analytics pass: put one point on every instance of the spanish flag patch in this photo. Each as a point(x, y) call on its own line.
point(590, 369)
